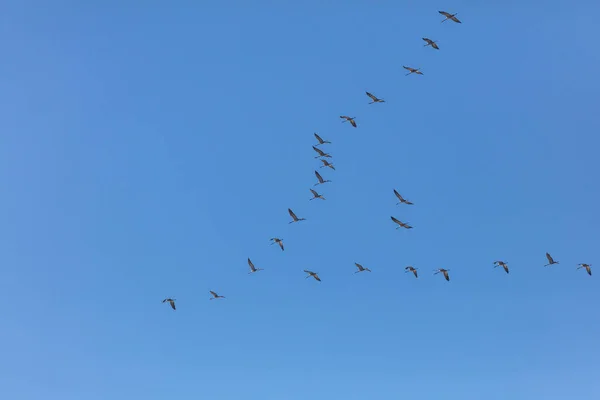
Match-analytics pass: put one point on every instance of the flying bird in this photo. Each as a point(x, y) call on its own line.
point(321, 141)
point(294, 218)
point(278, 241)
point(401, 224)
point(215, 296)
point(587, 268)
point(351, 119)
point(320, 178)
point(316, 195)
point(501, 264)
point(402, 199)
point(252, 267)
point(313, 274)
point(374, 98)
point(550, 260)
point(413, 70)
point(171, 302)
point(321, 153)
point(450, 16)
point(431, 43)
point(411, 269)
point(327, 164)
point(361, 268)
point(443, 271)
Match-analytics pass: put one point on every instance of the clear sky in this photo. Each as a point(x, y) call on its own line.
point(147, 148)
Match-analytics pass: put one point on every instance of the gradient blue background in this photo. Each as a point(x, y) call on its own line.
point(147, 148)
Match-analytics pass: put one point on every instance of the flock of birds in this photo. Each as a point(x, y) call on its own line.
point(323, 156)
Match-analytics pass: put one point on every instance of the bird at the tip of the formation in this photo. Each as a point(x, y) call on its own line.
point(402, 199)
point(550, 260)
point(316, 195)
point(313, 274)
point(401, 224)
point(450, 16)
point(252, 267)
point(351, 119)
point(412, 269)
point(171, 302)
point(215, 296)
point(278, 241)
point(321, 141)
point(320, 178)
point(443, 271)
point(294, 218)
point(588, 268)
point(501, 264)
point(361, 268)
point(327, 164)
point(321, 153)
point(431, 43)
point(374, 98)
point(413, 70)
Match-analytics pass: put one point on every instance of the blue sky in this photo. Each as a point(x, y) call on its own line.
point(148, 149)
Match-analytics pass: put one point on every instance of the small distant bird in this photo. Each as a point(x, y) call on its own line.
point(374, 98)
point(321, 153)
point(413, 70)
point(321, 141)
point(351, 119)
point(402, 199)
point(450, 16)
point(501, 264)
point(171, 302)
point(361, 268)
point(320, 178)
point(294, 218)
point(327, 164)
point(316, 195)
point(431, 43)
point(401, 224)
point(587, 268)
point(412, 269)
point(278, 241)
point(215, 296)
point(313, 274)
point(550, 260)
point(443, 271)
point(252, 267)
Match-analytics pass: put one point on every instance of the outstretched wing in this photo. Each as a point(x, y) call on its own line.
point(319, 138)
point(353, 123)
point(281, 245)
point(292, 213)
point(371, 96)
point(444, 13)
point(321, 153)
point(398, 195)
point(407, 68)
point(308, 272)
point(446, 275)
point(172, 304)
point(360, 267)
point(314, 192)
point(415, 272)
point(317, 277)
point(455, 20)
point(213, 293)
point(429, 41)
point(396, 220)
point(251, 265)
point(319, 177)
point(549, 257)
point(435, 46)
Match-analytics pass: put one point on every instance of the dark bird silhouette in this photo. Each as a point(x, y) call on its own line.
point(294, 218)
point(321, 141)
point(402, 199)
point(501, 264)
point(320, 178)
point(171, 302)
point(252, 267)
point(321, 153)
point(443, 271)
point(327, 164)
point(401, 224)
point(431, 43)
point(450, 16)
point(374, 98)
point(316, 195)
point(351, 119)
point(215, 296)
point(411, 269)
point(361, 268)
point(413, 70)
point(588, 268)
point(550, 260)
point(278, 241)
point(313, 274)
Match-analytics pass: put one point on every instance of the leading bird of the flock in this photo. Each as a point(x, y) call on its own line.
point(412, 269)
point(401, 224)
point(587, 268)
point(320, 178)
point(361, 268)
point(215, 296)
point(413, 70)
point(278, 241)
point(431, 43)
point(374, 98)
point(321, 141)
point(443, 271)
point(450, 16)
point(313, 274)
point(402, 199)
point(316, 195)
point(253, 268)
point(351, 119)
point(171, 302)
point(501, 264)
point(294, 218)
point(327, 164)
point(550, 260)
point(321, 153)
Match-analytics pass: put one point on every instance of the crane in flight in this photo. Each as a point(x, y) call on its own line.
point(313, 274)
point(294, 218)
point(215, 296)
point(171, 302)
point(413, 70)
point(587, 268)
point(550, 260)
point(401, 224)
point(450, 16)
point(278, 241)
point(443, 271)
point(402, 199)
point(412, 269)
point(501, 264)
point(253, 269)
point(316, 195)
point(361, 268)
point(351, 119)
point(431, 43)
point(374, 98)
